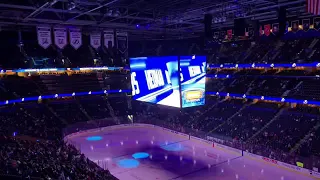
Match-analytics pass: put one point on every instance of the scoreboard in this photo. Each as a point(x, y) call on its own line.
point(177, 81)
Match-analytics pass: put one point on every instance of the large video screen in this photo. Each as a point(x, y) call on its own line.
point(156, 80)
point(193, 80)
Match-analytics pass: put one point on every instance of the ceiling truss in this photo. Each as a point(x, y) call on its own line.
point(142, 18)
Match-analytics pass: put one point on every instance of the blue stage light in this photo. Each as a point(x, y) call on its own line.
point(128, 163)
point(172, 147)
point(94, 138)
point(140, 155)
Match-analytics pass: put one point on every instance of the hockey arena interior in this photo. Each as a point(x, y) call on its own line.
point(160, 90)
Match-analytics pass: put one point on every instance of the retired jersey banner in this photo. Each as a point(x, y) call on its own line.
point(229, 34)
point(108, 38)
point(44, 36)
point(261, 32)
point(222, 35)
point(275, 28)
point(295, 26)
point(316, 23)
point(267, 28)
point(251, 32)
point(60, 37)
point(306, 24)
point(216, 34)
point(75, 38)
point(122, 41)
point(95, 40)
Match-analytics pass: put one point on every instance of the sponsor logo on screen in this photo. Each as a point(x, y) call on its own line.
point(193, 95)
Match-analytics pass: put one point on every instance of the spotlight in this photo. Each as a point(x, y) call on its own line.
point(109, 13)
point(116, 13)
point(138, 26)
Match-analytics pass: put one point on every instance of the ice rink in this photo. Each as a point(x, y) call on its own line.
point(132, 153)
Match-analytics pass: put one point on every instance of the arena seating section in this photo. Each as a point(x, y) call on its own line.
point(288, 133)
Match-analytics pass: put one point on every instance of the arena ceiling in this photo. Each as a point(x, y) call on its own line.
point(142, 18)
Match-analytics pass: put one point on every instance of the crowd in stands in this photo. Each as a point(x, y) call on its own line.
point(32, 138)
point(32, 132)
point(40, 159)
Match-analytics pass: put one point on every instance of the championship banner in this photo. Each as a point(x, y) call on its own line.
point(95, 40)
point(122, 41)
point(75, 38)
point(216, 35)
point(295, 26)
point(44, 36)
point(275, 28)
point(316, 23)
point(222, 34)
point(261, 32)
point(108, 38)
point(287, 28)
point(229, 34)
point(60, 37)
point(250, 31)
point(267, 28)
point(306, 24)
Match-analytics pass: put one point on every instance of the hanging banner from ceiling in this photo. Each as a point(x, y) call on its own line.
point(316, 23)
point(275, 28)
point(295, 26)
point(44, 36)
point(60, 37)
point(95, 40)
point(267, 28)
point(229, 34)
point(108, 36)
point(122, 41)
point(75, 38)
point(251, 32)
point(306, 24)
point(261, 32)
